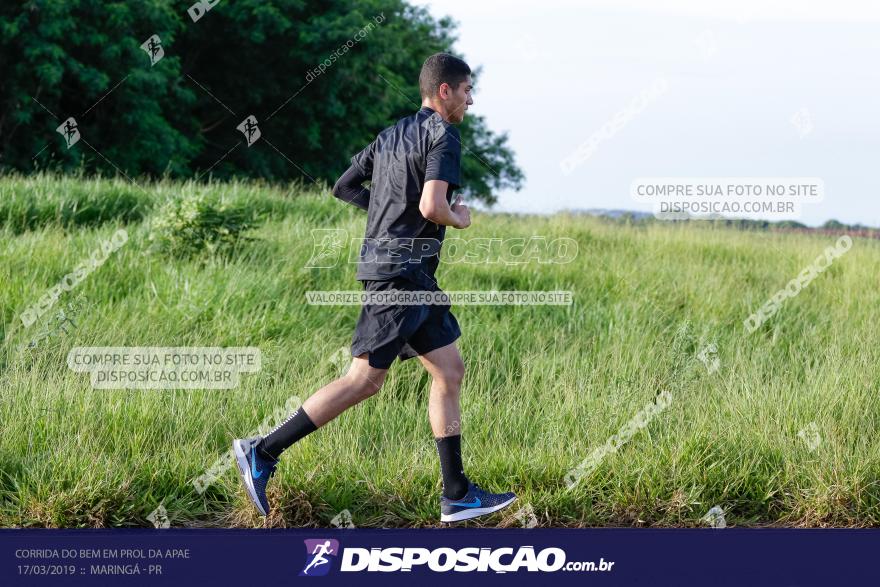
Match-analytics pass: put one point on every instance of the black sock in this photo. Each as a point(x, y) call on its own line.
point(455, 484)
point(297, 426)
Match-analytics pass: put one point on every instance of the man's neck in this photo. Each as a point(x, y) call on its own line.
point(436, 107)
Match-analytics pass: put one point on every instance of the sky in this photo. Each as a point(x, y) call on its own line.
point(768, 88)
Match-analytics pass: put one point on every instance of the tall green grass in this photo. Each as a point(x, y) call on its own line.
point(545, 385)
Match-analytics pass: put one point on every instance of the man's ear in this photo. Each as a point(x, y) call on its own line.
point(444, 90)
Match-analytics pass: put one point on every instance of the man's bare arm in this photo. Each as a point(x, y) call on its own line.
point(434, 207)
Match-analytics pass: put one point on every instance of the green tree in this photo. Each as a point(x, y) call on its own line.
point(834, 225)
point(83, 58)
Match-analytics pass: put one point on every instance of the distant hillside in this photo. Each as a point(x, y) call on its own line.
point(829, 227)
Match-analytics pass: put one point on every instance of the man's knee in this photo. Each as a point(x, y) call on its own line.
point(452, 374)
point(363, 380)
point(365, 387)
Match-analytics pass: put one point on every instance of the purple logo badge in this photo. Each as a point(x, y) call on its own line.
point(318, 551)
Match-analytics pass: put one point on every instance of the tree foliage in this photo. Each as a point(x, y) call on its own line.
point(261, 58)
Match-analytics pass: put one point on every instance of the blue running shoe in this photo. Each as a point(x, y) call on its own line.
point(476, 502)
point(255, 470)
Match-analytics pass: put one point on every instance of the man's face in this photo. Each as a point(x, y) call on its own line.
point(458, 100)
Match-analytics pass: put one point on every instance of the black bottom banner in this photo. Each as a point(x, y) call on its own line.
point(612, 556)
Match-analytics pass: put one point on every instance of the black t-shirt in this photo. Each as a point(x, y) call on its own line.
point(399, 241)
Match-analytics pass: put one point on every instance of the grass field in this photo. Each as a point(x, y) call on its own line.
point(784, 432)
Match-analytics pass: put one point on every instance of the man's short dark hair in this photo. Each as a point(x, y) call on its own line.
point(441, 68)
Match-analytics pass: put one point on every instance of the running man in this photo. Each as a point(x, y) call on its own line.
point(413, 168)
point(320, 559)
point(69, 130)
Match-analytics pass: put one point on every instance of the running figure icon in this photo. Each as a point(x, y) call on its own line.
point(319, 552)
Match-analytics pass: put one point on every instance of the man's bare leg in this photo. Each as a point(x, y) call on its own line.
point(257, 457)
point(461, 499)
point(447, 371)
point(361, 382)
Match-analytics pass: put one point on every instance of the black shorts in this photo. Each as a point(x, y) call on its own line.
point(401, 331)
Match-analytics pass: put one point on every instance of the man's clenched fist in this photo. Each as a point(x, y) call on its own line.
point(462, 212)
